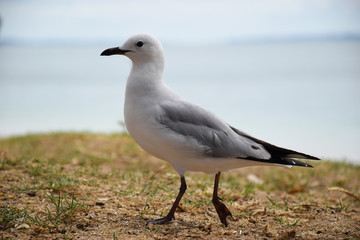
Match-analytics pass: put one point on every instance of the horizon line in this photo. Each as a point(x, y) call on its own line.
point(272, 39)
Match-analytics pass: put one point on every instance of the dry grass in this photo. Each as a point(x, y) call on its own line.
point(92, 186)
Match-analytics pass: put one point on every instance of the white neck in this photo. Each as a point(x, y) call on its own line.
point(144, 78)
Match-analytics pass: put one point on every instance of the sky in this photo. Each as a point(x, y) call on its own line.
point(175, 21)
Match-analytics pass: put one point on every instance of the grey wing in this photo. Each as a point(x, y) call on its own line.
point(214, 136)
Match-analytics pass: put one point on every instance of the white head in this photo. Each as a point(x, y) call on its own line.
point(140, 48)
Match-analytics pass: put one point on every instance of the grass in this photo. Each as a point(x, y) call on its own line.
point(97, 186)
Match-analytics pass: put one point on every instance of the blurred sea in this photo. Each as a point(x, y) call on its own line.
point(300, 95)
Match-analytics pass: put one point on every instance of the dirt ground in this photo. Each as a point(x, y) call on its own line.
point(87, 186)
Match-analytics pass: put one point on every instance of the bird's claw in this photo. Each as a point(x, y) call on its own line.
point(222, 211)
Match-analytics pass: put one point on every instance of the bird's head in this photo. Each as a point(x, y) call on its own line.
point(139, 48)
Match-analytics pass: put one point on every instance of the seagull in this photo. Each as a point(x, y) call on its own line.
point(186, 135)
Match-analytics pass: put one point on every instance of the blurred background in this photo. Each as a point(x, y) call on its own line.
point(287, 72)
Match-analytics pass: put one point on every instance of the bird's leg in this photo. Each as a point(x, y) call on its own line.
point(171, 213)
point(221, 209)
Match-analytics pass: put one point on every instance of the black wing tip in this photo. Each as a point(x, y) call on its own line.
point(282, 161)
point(294, 162)
point(277, 152)
point(302, 156)
point(302, 164)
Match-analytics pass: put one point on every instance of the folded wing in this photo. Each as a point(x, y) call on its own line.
point(219, 140)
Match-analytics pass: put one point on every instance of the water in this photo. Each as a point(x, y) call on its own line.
point(304, 95)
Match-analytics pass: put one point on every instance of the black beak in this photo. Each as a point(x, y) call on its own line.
point(114, 51)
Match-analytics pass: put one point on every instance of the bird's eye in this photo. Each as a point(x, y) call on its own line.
point(140, 44)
